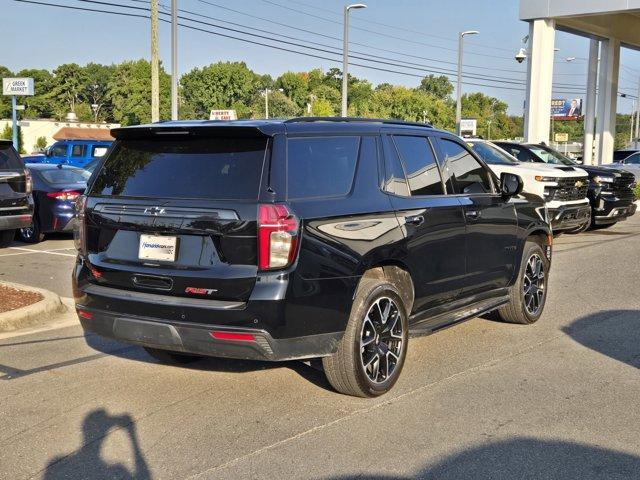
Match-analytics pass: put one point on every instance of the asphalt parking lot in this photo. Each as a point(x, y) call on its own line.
point(482, 400)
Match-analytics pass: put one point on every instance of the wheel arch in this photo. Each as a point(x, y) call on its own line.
point(397, 273)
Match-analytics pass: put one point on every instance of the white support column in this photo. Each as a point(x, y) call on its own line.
point(539, 80)
point(607, 99)
point(590, 103)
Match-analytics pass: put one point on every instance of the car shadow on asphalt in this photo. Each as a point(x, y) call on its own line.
point(311, 373)
point(87, 461)
point(525, 458)
point(614, 333)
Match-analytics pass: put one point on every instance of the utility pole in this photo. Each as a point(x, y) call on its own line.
point(174, 59)
point(266, 103)
point(637, 113)
point(633, 115)
point(459, 87)
point(345, 55)
point(155, 67)
point(14, 118)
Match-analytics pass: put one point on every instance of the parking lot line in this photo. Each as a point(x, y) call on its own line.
point(50, 252)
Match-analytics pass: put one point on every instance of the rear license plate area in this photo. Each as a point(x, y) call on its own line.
point(158, 247)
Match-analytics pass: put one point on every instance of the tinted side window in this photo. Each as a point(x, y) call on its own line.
point(521, 154)
point(420, 165)
point(9, 159)
point(321, 166)
point(633, 159)
point(59, 150)
point(78, 150)
point(468, 175)
point(395, 182)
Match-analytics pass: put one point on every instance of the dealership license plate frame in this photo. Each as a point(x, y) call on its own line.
point(159, 248)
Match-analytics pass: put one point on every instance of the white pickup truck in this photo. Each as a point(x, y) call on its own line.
point(564, 190)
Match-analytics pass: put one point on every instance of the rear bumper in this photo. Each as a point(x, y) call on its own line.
point(197, 338)
point(12, 222)
point(613, 210)
point(570, 216)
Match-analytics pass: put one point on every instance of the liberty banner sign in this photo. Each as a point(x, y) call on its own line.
point(17, 86)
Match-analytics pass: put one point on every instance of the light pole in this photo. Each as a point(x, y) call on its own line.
point(266, 101)
point(174, 59)
point(459, 89)
point(345, 55)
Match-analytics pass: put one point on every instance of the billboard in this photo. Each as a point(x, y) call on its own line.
point(468, 127)
point(17, 86)
point(566, 109)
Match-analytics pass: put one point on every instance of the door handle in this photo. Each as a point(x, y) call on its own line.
point(416, 220)
point(472, 214)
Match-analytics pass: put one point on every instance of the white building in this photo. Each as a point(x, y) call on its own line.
point(53, 130)
point(609, 24)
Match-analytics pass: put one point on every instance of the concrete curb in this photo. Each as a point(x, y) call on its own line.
point(36, 314)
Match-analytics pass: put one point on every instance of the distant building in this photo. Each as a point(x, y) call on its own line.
point(54, 130)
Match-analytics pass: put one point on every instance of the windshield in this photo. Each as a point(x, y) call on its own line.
point(492, 154)
point(551, 156)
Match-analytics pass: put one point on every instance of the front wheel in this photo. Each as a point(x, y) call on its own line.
point(31, 234)
point(371, 354)
point(528, 295)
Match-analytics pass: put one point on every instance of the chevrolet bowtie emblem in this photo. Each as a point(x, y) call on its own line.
point(579, 184)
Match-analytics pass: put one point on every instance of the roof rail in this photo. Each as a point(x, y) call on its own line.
point(388, 121)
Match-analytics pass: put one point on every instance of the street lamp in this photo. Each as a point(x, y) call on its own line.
point(266, 100)
point(459, 92)
point(345, 55)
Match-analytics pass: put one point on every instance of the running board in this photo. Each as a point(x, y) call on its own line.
point(445, 320)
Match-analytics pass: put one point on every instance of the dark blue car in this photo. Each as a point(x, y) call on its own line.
point(55, 190)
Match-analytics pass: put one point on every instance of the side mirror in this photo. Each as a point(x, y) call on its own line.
point(511, 185)
point(47, 152)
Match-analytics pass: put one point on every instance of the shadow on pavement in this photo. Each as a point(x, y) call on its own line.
point(614, 333)
point(527, 458)
point(87, 461)
point(227, 365)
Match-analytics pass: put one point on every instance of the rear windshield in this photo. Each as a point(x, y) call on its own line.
point(9, 159)
point(321, 166)
point(62, 176)
point(211, 168)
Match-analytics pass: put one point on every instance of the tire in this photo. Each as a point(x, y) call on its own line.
point(31, 234)
point(6, 237)
point(376, 305)
point(522, 306)
point(170, 357)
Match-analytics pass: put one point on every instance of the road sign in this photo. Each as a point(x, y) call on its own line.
point(468, 126)
point(223, 115)
point(561, 137)
point(17, 86)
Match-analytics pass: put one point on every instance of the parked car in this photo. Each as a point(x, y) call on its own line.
point(563, 190)
point(611, 191)
point(305, 238)
point(16, 205)
point(77, 153)
point(628, 160)
point(55, 190)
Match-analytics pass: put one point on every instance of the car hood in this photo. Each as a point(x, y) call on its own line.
point(540, 169)
point(594, 170)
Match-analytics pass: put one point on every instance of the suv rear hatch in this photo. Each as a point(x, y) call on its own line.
point(14, 182)
point(175, 212)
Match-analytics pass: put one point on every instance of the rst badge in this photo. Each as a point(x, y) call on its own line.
point(200, 291)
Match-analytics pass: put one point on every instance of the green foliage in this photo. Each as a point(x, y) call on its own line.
point(295, 86)
point(637, 191)
point(489, 109)
point(67, 89)
point(40, 105)
point(41, 143)
point(7, 134)
point(439, 86)
point(5, 101)
point(322, 107)
point(220, 85)
point(280, 106)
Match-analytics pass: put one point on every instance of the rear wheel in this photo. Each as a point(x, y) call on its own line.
point(171, 357)
point(31, 234)
point(6, 237)
point(528, 295)
point(371, 354)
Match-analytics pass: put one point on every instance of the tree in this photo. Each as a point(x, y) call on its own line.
point(95, 88)
point(439, 86)
point(5, 100)
point(41, 143)
point(221, 85)
point(40, 105)
point(69, 81)
point(129, 91)
point(322, 108)
point(295, 86)
point(7, 134)
point(280, 106)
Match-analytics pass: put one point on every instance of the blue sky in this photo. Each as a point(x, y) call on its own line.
point(424, 31)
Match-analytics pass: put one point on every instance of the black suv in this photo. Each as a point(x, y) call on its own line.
point(299, 239)
point(16, 204)
point(611, 190)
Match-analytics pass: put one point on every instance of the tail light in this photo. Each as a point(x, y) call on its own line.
point(277, 236)
point(28, 182)
point(70, 195)
point(80, 228)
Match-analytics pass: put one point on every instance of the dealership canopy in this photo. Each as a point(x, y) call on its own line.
point(609, 24)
